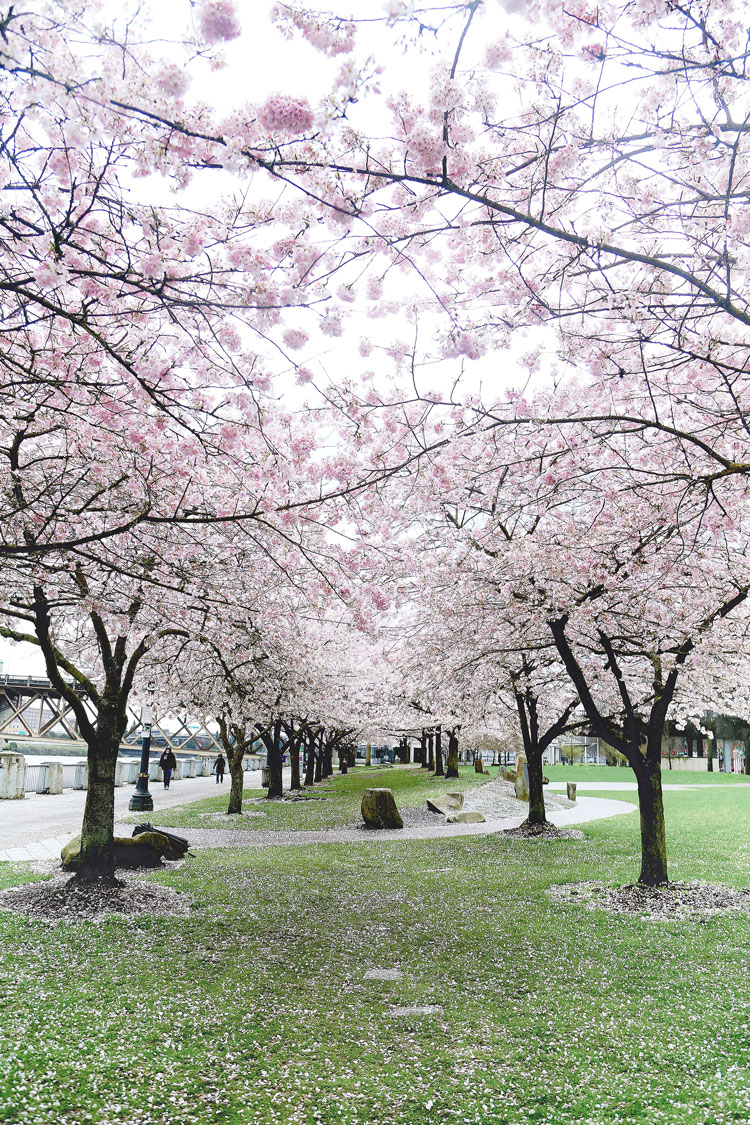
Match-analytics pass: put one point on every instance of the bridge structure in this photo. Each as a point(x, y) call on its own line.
point(32, 711)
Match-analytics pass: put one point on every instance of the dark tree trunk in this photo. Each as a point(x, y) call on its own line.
point(430, 753)
point(97, 860)
point(343, 759)
point(238, 780)
point(537, 813)
point(423, 749)
point(294, 745)
point(452, 770)
point(310, 765)
point(710, 741)
point(319, 761)
point(439, 767)
point(273, 761)
point(653, 837)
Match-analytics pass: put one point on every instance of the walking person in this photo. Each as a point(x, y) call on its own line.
point(219, 767)
point(167, 763)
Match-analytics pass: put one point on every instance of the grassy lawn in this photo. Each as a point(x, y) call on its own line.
point(257, 1010)
point(582, 774)
point(336, 801)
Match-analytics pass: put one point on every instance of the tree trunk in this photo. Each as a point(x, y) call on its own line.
point(97, 862)
point(368, 755)
point(439, 767)
point(273, 761)
point(327, 762)
point(310, 768)
point(710, 741)
point(318, 776)
point(537, 812)
point(238, 779)
point(653, 836)
point(343, 756)
point(294, 744)
point(452, 770)
point(430, 753)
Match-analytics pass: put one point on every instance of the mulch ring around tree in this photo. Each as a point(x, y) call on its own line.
point(61, 900)
point(695, 902)
point(542, 832)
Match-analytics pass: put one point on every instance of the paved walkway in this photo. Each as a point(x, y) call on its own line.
point(586, 809)
point(38, 826)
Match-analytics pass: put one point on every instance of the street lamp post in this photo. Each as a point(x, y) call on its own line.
point(142, 801)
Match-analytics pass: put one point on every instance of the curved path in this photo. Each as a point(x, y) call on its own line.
point(587, 809)
point(38, 827)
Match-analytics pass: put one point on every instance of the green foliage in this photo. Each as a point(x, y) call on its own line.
point(256, 1009)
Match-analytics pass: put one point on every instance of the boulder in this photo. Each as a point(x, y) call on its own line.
point(145, 850)
point(447, 803)
point(478, 766)
point(379, 809)
point(508, 774)
point(522, 778)
point(571, 787)
point(466, 818)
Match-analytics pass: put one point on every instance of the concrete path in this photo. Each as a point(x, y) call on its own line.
point(37, 826)
point(586, 809)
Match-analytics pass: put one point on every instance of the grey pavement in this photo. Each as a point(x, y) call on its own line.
point(38, 826)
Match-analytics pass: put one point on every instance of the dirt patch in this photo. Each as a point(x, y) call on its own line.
point(62, 900)
point(542, 832)
point(675, 901)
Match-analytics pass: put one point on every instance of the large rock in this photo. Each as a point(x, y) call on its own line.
point(478, 766)
point(522, 778)
point(447, 803)
point(466, 818)
point(147, 849)
point(379, 809)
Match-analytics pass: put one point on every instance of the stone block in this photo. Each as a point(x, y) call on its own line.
point(466, 818)
point(12, 777)
point(144, 850)
point(119, 768)
point(571, 787)
point(130, 771)
point(81, 776)
point(478, 766)
point(379, 809)
point(445, 804)
point(50, 779)
point(191, 765)
point(154, 772)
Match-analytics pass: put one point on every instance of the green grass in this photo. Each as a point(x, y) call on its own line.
point(582, 774)
point(337, 801)
point(255, 1010)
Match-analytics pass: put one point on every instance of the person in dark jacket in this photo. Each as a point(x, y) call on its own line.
point(219, 767)
point(167, 763)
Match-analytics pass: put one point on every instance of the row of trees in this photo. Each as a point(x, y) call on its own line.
point(557, 203)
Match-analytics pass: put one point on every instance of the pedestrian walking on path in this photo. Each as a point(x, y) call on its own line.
point(219, 767)
point(167, 763)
